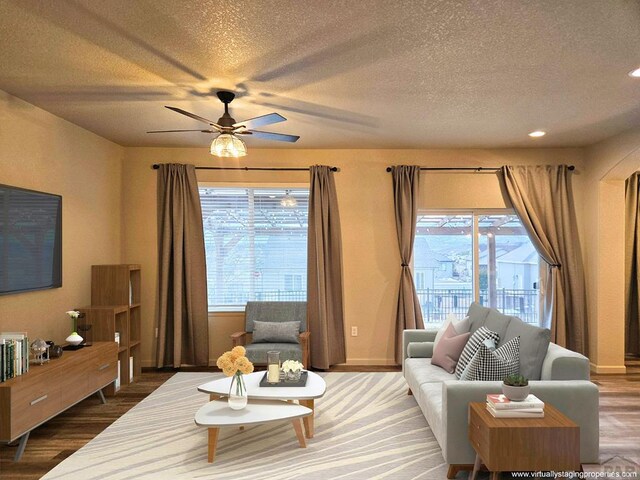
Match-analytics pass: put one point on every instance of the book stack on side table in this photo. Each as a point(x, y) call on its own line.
point(501, 407)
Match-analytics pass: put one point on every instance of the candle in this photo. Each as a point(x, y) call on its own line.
point(273, 373)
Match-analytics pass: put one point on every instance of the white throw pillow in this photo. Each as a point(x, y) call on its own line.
point(460, 326)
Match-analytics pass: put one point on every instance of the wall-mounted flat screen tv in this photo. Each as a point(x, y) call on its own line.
point(30, 240)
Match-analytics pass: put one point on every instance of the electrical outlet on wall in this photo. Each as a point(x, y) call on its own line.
point(354, 331)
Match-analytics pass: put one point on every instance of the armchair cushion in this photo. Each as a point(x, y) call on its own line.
point(257, 352)
point(276, 332)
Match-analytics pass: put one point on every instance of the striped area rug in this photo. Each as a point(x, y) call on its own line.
point(367, 427)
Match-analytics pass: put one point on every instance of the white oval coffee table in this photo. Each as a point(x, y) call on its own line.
point(315, 388)
point(217, 414)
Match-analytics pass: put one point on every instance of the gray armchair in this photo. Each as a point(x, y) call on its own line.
point(274, 312)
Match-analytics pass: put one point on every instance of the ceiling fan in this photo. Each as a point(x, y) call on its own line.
point(227, 143)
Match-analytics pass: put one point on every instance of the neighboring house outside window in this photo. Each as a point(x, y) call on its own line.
point(501, 269)
point(256, 249)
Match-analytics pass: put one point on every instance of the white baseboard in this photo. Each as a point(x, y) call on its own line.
point(610, 369)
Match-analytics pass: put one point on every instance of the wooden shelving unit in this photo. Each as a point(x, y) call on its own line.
point(115, 307)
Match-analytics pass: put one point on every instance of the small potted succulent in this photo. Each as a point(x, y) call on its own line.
point(515, 387)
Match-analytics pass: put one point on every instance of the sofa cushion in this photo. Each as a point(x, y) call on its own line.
point(431, 404)
point(276, 332)
point(461, 326)
point(477, 315)
point(472, 347)
point(497, 322)
point(418, 371)
point(534, 343)
point(257, 352)
point(447, 352)
point(494, 365)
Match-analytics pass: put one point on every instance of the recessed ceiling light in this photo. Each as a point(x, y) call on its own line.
point(537, 133)
point(635, 73)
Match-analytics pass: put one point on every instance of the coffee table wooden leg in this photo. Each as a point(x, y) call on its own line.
point(495, 475)
point(308, 420)
point(297, 426)
point(213, 440)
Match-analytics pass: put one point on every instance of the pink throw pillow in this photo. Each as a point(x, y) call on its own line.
point(449, 348)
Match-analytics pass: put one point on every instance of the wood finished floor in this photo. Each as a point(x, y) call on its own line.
point(54, 441)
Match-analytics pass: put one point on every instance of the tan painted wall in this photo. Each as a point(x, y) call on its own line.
point(608, 164)
point(371, 260)
point(42, 152)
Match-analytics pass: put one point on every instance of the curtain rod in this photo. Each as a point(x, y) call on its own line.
point(155, 166)
point(470, 169)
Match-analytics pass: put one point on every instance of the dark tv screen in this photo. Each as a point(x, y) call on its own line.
point(30, 240)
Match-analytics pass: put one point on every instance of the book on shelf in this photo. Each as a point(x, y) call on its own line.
point(14, 354)
point(516, 413)
point(501, 402)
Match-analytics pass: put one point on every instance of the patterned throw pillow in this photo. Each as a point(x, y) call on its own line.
point(494, 365)
point(472, 346)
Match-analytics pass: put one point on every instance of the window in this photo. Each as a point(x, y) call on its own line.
point(500, 269)
point(256, 249)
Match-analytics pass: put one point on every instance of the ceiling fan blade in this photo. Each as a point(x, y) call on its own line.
point(260, 121)
point(194, 116)
point(280, 137)
point(169, 131)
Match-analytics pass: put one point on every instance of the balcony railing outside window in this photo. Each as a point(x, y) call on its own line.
point(437, 304)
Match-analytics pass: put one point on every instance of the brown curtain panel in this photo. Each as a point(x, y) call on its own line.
point(542, 198)
point(632, 265)
point(183, 327)
point(325, 313)
point(406, 179)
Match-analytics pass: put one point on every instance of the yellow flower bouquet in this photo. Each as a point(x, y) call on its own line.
point(234, 364)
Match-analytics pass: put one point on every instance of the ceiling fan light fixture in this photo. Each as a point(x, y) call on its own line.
point(228, 145)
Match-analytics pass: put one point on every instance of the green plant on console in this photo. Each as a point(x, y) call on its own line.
point(516, 381)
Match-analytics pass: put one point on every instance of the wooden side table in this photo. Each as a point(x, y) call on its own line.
point(523, 444)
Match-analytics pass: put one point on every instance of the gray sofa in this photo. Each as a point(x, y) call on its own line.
point(557, 376)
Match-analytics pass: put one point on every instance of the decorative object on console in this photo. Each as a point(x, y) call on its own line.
point(85, 328)
point(235, 364)
point(55, 351)
point(273, 366)
point(74, 339)
point(515, 387)
point(14, 354)
point(40, 350)
point(73, 315)
point(292, 370)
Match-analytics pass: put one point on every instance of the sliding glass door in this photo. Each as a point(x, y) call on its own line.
point(483, 256)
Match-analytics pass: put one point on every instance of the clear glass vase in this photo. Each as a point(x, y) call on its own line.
point(237, 393)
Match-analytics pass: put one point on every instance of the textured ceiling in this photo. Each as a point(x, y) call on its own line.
point(357, 74)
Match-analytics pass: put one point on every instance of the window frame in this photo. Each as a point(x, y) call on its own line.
point(227, 309)
point(475, 213)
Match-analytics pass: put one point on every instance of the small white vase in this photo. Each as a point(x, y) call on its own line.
point(74, 339)
point(238, 396)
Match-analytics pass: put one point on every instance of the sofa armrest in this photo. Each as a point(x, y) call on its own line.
point(577, 399)
point(563, 364)
point(415, 336)
point(238, 338)
point(420, 350)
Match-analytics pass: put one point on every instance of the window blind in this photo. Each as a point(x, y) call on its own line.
point(256, 245)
